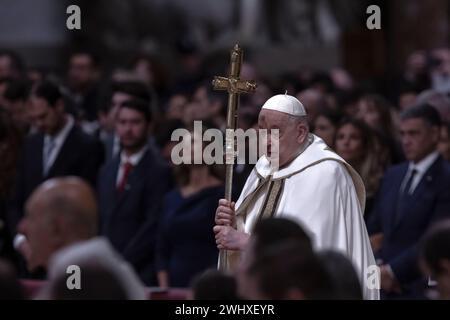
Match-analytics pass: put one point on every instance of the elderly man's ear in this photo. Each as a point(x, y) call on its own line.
point(302, 130)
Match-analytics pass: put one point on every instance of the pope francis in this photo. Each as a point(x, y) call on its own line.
point(311, 185)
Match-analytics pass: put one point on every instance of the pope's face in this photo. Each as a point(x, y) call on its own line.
point(291, 135)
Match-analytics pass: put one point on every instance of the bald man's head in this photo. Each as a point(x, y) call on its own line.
point(59, 212)
point(71, 198)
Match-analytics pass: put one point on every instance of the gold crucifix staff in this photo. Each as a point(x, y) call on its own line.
point(234, 86)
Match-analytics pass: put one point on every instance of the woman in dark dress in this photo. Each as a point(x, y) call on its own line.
point(186, 245)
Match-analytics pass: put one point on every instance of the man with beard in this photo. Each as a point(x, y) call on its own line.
point(130, 189)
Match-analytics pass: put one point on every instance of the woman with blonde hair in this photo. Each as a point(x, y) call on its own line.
point(357, 144)
point(382, 118)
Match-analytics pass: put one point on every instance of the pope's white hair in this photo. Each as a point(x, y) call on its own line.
point(298, 119)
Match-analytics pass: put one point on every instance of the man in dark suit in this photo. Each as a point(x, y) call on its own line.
point(413, 196)
point(130, 190)
point(59, 148)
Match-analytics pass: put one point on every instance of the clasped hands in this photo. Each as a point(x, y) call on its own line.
point(227, 237)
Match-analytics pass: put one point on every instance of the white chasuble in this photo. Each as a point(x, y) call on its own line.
point(321, 192)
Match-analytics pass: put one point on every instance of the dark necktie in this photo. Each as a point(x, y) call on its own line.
point(127, 167)
point(407, 188)
point(404, 197)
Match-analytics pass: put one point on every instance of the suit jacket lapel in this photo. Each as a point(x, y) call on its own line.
point(424, 182)
point(397, 198)
point(64, 155)
point(39, 156)
point(427, 178)
point(110, 199)
point(112, 181)
point(136, 175)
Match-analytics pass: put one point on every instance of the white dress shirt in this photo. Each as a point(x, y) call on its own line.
point(55, 143)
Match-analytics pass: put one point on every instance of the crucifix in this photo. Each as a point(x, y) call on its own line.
point(234, 86)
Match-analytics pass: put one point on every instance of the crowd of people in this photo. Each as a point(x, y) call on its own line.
point(86, 178)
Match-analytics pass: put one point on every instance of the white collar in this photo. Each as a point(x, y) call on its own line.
point(134, 158)
point(423, 165)
point(315, 152)
point(61, 136)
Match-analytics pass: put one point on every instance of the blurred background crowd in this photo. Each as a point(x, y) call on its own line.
point(86, 118)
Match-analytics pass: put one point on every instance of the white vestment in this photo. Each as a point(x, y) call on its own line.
point(320, 191)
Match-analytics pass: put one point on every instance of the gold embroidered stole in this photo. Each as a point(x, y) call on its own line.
point(268, 209)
